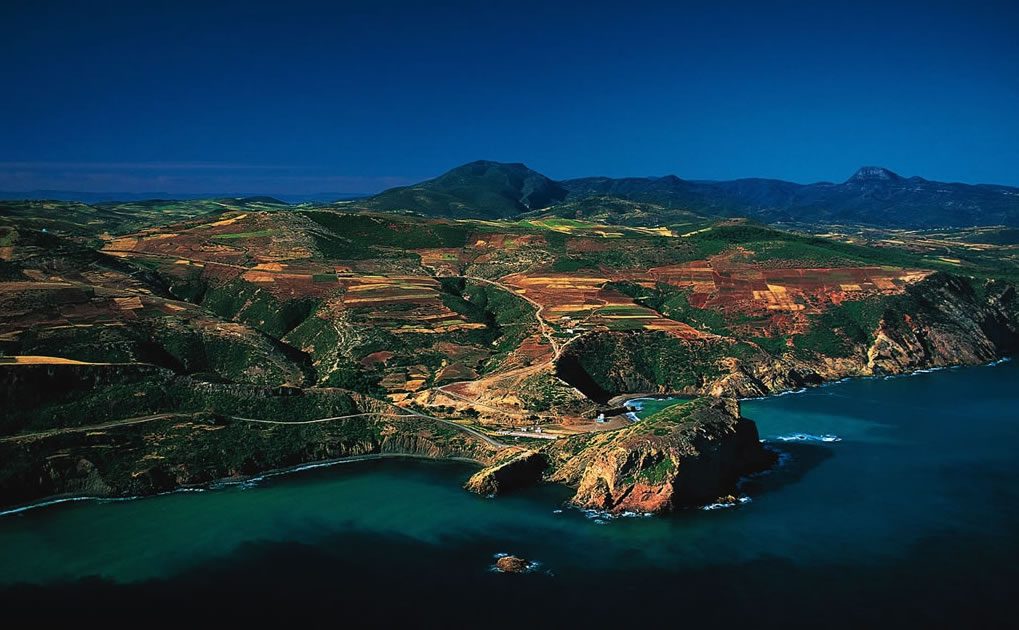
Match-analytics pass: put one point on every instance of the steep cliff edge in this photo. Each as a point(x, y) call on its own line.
point(939, 321)
point(685, 455)
point(953, 322)
point(943, 320)
point(516, 469)
point(166, 452)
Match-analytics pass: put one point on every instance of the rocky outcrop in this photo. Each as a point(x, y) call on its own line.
point(954, 323)
point(939, 321)
point(75, 476)
point(687, 455)
point(515, 470)
point(512, 564)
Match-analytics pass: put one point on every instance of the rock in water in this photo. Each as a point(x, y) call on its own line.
point(685, 455)
point(511, 564)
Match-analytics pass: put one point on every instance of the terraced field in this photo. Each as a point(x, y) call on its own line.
point(576, 303)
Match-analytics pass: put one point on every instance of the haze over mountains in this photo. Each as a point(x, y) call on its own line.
point(107, 196)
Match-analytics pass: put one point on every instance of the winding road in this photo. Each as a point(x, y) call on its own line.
point(546, 329)
point(164, 416)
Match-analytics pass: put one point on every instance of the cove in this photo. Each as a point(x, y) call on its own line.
point(896, 503)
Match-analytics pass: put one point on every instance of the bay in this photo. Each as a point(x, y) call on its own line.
point(896, 502)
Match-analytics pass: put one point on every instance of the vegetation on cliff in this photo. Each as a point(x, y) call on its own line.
point(687, 454)
point(196, 449)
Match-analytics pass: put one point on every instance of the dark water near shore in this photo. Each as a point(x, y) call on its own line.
point(897, 503)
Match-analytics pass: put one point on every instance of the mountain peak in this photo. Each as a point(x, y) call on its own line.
point(482, 188)
point(489, 164)
point(871, 174)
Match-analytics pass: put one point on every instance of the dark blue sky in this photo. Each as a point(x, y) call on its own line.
point(302, 97)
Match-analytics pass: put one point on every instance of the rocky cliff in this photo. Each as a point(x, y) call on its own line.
point(516, 469)
point(686, 455)
point(694, 453)
point(941, 321)
point(166, 453)
point(954, 322)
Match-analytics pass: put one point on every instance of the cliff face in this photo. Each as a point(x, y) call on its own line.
point(943, 320)
point(687, 455)
point(185, 450)
point(956, 323)
point(516, 469)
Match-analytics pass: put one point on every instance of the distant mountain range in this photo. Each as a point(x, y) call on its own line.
point(873, 196)
point(495, 190)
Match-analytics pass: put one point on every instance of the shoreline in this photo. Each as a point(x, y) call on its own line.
point(620, 399)
point(884, 377)
point(225, 482)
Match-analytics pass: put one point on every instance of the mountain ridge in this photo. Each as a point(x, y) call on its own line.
point(873, 195)
point(487, 189)
point(479, 189)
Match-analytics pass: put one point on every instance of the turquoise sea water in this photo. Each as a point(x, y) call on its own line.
point(646, 407)
point(896, 502)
